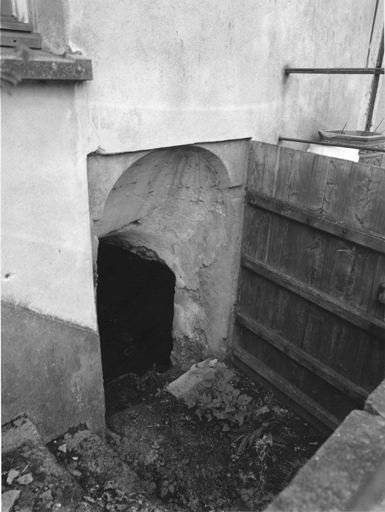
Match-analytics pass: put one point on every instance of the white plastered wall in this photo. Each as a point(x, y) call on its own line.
point(46, 243)
point(172, 73)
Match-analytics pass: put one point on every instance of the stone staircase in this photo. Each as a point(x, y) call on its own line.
point(85, 475)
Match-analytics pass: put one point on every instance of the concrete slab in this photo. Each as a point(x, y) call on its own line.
point(195, 381)
point(375, 403)
point(331, 479)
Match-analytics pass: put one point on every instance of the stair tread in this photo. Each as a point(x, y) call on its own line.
point(50, 486)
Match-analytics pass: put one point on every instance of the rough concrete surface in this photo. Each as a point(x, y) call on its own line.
point(46, 485)
point(45, 66)
point(197, 379)
point(375, 403)
point(94, 463)
point(334, 474)
point(51, 371)
point(85, 476)
point(186, 206)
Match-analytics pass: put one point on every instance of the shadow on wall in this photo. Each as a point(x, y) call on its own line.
point(173, 202)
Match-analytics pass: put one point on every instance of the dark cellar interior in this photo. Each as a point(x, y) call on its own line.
point(135, 306)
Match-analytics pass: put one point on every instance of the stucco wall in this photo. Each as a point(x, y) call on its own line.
point(51, 364)
point(186, 205)
point(46, 245)
point(175, 72)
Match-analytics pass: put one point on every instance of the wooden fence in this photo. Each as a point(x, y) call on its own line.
point(310, 313)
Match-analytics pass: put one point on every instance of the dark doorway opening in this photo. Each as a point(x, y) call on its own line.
point(135, 305)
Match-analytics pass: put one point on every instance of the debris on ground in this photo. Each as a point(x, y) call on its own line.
point(8, 499)
point(232, 446)
point(195, 381)
point(224, 444)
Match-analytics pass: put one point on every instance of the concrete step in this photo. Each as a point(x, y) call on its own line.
point(108, 481)
point(349, 467)
point(94, 464)
point(40, 483)
point(75, 473)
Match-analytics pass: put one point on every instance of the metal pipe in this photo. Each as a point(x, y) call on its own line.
point(375, 83)
point(336, 71)
point(320, 143)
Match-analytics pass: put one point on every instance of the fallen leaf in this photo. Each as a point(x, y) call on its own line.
point(25, 479)
point(12, 475)
point(47, 495)
point(63, 448)
point(8, 499)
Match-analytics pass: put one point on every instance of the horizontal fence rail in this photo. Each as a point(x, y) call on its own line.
point(336, 71)
point(362, 238)
point(359, 318)
point(288, 389)
point(299, 355)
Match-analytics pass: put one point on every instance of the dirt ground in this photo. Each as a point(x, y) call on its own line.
point(199, 457)
point(233, 447)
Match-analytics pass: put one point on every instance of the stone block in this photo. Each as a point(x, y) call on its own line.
point(375, 403)
point(332, 477)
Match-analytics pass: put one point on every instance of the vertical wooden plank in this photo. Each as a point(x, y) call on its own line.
point(338, 175)
point(374, 306)
point(376, 220)
point(264, 161)
point(295, 187)
point(369, 369)
point(338, 264)
point(294, 177)
point(358, 289)
point(369, 205)
point(360, 195)
point(256, 168)
point(275, 242)
point(318, 179)
point(263, 168)
point(313, 335)
point(256, 229)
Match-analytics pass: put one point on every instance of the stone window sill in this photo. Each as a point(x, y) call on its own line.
point(46, 66)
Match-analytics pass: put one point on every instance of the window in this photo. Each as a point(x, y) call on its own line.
point(50, 58)
point(14, 26)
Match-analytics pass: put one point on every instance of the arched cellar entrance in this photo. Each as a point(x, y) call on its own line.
point(135, 306)
point(180, 207)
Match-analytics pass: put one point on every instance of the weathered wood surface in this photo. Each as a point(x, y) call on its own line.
point(313, 264)
point(285, 386)
point(313, 364)
point(325, 301)
point(344, 232)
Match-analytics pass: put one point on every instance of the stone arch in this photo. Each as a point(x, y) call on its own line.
point(173, 204)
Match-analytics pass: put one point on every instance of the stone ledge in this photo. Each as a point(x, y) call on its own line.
point(334, 475)
point(46, 66)
point(375, 403)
